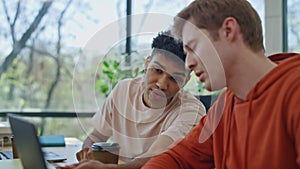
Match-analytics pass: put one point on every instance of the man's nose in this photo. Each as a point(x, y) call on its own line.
point(162, 82)
point(189, 62)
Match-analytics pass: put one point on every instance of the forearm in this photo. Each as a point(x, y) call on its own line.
point(157, 147)
point(86, 152)
point(93, 164)
point(135, 164)
point(87, 143)
point(161, 161)
point(170, 159)
point(184, 152)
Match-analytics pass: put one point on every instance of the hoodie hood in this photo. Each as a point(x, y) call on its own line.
point(243, 117)
point(286, 62)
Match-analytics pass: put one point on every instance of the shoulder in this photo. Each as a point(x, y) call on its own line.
point(289, 79)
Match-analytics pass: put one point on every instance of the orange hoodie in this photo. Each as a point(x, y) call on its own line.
point(262, 132)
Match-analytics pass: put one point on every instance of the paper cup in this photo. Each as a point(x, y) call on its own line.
point(107, 153)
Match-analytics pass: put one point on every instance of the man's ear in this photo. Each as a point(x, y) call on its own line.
point(229, 29)
point(148, 59)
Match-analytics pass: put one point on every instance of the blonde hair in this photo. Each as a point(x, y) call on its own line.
point(210, 14)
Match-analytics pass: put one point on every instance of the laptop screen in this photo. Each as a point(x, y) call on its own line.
point(27, 143)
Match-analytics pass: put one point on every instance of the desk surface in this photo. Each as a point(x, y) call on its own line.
point(11, 164)
point(73, 145)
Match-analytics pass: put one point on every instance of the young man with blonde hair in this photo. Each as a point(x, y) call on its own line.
point(255, 123)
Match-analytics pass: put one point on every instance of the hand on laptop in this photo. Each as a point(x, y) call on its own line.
point(84, 154)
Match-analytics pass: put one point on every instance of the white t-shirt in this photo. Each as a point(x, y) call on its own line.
point(135, 126)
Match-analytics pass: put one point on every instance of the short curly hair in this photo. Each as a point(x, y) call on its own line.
point(166, 44)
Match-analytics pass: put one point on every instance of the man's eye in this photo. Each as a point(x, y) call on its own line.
point(157, 70)
point(188, 50)
point(177, 80)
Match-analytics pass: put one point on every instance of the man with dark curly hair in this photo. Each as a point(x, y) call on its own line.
point(146, 114)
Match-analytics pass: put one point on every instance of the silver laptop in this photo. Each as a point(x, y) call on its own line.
point(27, 144)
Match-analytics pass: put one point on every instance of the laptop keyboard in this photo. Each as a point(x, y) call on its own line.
point(6, 154)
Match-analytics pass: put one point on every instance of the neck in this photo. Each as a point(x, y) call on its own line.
point(247, 72)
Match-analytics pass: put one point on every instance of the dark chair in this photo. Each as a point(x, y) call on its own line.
point(207, 100)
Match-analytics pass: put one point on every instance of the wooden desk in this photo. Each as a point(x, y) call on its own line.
point(73, 145)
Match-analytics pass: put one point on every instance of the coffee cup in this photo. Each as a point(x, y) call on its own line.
point(107, 153)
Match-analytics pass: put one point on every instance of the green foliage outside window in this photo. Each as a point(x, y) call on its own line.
point(111, 73)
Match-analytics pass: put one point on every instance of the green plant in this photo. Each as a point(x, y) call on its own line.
point(111, 73)
point(202, 90)
point(201, 87)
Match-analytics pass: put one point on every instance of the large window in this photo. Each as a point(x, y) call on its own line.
point(51, 52)
point(40, 74)
point(293, 25)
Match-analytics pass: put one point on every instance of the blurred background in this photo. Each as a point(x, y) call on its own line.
point(59, 59)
